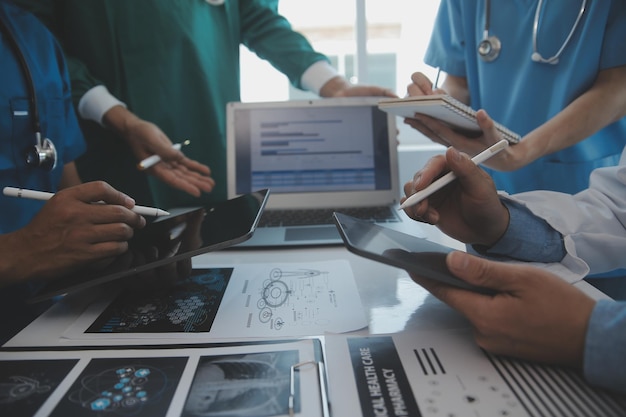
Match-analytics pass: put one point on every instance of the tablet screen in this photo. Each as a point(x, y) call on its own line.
point(186, 232)
point(413, 254)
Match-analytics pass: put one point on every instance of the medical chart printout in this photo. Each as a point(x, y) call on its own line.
point(234, 380)
point(274, 300)
point(444, 373)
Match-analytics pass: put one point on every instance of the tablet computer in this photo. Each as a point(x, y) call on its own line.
point(416, 255)
point(185, 233)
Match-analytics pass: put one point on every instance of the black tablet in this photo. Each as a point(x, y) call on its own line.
point(183, 234)
point(416, 255)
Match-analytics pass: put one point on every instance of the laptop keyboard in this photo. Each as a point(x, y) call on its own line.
point(307, 217)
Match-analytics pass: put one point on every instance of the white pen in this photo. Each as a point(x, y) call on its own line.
point(151, 160)
point(450, 176)
point(44, 196)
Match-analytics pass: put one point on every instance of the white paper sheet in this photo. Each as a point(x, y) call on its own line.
point(276, 300)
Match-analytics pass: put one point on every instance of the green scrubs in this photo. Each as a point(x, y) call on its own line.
point(174, 63)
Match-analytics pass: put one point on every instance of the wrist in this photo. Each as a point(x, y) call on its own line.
point(13, 267)
point(96, 102)
point(334, 86)
point(119, 119)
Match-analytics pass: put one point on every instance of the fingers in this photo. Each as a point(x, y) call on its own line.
point(485, 273)
point(488, 127)
point(365, 90)
point(433, 169)
point(418, 124)
point(76, 205)
point(179, 176)
point(95, 191)
point(421, 85)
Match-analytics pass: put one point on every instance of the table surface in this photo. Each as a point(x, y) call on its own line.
point(392, 301)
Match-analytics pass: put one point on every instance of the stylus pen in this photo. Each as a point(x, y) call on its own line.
point(44, 196)
point(151, 160)
point(450, 176)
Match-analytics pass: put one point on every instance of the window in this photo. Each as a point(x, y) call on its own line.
point(378, 42)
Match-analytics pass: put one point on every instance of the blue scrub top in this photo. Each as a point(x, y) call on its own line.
point(522, 94)
point(57, 118)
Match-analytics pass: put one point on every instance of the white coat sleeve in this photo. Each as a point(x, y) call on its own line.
point(592, 222)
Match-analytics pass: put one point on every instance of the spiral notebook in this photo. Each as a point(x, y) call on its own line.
point(445, 108)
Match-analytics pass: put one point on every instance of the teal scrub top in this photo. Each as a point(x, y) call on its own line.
point(174, 63)
point(522, 94)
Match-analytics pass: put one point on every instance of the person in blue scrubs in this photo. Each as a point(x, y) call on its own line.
point(41, 241)
point(565, 97)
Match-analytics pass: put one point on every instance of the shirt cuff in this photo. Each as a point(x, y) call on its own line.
point(96, 102)
point(605, 346)
point(318, 74)
point(528, 238)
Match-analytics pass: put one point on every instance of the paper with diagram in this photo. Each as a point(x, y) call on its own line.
point(226, 302)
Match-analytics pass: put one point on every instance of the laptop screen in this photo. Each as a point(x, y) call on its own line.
point(311, 147)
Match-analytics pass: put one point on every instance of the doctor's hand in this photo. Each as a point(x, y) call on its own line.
point(510, 159)
point(422, 86)
point(535, 315)
point(468, 209)
point(340, 87)
point(70, 232)
point(147, 139)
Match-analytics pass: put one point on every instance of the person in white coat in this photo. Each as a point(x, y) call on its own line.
point(536, 314)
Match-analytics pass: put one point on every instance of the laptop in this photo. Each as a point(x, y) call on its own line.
point(316, 157)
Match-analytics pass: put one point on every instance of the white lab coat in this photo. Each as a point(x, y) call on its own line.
point(592, 222)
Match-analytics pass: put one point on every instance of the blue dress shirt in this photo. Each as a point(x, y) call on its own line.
point(604, 362)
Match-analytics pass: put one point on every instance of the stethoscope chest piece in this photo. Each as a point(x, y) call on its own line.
point(215, 2)
point(43, 154)
point(489, 48)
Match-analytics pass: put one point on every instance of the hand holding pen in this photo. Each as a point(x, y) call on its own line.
point(155, 159)
point(145, 139)
point(69, 232)
point(468, 209)
point(450, 176)
point(44, 196)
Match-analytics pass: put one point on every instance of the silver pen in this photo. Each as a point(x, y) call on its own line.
point(44, 196)
point(154, 159)
point(450, 176)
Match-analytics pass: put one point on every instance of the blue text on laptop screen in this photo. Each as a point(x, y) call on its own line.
point(312, 149)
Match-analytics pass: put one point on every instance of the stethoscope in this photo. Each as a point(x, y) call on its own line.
point(215, 2)
point(489, 47)
point(43, 154)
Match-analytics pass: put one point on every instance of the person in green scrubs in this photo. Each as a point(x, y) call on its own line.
point(149, 73)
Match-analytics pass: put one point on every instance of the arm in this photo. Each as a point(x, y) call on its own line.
point(69, 232)
point(604, 103)
point(146, 139)
point(271, 37)
point(539, 317)
point(95, 103)
point(535, 314)
point(469, 209)
point(591, 222)
point(605, 345)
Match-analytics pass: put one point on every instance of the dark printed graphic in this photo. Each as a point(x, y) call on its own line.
point(26, 385)
point(382, 384)
point(190, 306)
point(123, 387)
point(242, 385)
